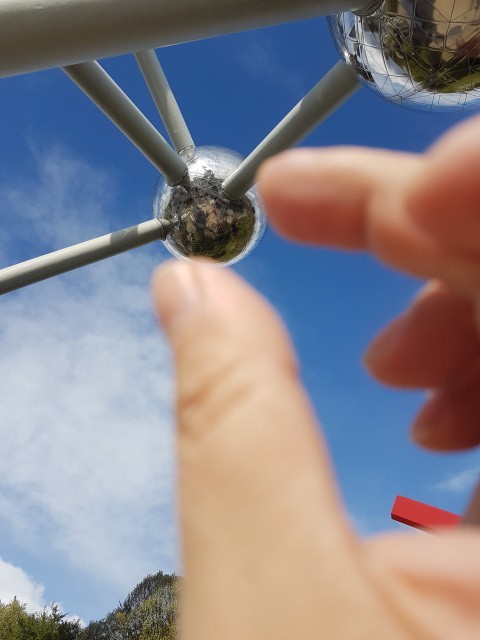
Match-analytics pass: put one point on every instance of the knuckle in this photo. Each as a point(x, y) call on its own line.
point(219, 377)
point(210, 389)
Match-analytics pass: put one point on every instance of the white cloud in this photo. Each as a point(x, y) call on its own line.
point(86, 461)
point(15, 583)
point(460, 482)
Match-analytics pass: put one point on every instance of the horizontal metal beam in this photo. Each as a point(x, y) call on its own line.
point(337, 86)
point(95, 82)
point(40, 34)
point(79, 255)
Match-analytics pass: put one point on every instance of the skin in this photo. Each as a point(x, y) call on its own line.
point(267, 550)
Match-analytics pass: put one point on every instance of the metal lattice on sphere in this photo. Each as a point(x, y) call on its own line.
point(423, 54)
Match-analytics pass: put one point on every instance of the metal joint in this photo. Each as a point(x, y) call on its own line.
point(372, 6)
point(164, 226)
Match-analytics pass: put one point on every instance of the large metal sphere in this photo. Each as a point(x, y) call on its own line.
point(204, 221)
point(417, 53)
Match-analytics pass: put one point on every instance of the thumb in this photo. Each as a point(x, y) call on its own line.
point(255, 487)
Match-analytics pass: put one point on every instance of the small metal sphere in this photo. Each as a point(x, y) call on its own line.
point(205, 222)
point(423, 54)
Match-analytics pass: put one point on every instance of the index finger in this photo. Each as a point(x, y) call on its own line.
point(323, 196)
point(370, 199)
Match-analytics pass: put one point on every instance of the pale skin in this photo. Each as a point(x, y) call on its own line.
point(268, 553)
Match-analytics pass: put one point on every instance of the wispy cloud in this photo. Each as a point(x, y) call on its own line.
point(461, 481)
point(86, 461)
point(66, 202)
point(261, 59)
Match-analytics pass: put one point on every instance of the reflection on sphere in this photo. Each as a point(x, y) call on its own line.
point(417, 53)
point(205, 222)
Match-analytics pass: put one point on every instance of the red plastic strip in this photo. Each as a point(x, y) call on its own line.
point(422, 516)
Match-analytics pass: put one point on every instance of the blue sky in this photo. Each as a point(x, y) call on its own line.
point(86, 466)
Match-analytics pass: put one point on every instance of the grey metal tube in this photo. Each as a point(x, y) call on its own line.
point(79, 255)
point(107, 95)
point(339, 84)
point(165, 100)
point(40, 34)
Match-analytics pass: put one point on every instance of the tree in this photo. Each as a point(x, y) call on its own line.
point(149, 612)
point(17, 624)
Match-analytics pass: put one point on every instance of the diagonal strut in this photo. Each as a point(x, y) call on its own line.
point(165, 100)
point(335, 88)
point(109, 98)
point(79, 255)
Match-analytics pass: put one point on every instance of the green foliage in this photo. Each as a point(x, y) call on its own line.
point(17, 624)
point(149, 612)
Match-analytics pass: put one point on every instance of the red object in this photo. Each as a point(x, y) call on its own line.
point(422, 516)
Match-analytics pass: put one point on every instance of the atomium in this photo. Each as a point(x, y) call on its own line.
point(423, 54)
point(204, 221)
point(415, 53)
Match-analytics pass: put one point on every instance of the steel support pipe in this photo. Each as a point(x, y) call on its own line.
point(95, 82)
point(337, 86)
point(163, 97)
point(40, 34)
point(79, 255)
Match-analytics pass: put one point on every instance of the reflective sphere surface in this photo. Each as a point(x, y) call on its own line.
point(417, 53)
point(204, 221)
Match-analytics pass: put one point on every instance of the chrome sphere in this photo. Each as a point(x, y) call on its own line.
point(205, 222)
point(416, 53)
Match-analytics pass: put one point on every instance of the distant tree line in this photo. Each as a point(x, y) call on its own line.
point(17, 624)
point(149, 612)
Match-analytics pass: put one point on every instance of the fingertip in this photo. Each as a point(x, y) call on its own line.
point(287, 162)
point(271, 170)
point(459, 135)
point(431, 345)
point(384, 348)
point(317, 196)
point(167, 301)
point(203, 306)
point(276, 183)
point(271, 180)
point(450, 418)
point(285, 182)
point(178, 291)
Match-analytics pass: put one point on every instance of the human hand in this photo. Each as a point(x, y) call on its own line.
point(419, 214)
point(267, 551)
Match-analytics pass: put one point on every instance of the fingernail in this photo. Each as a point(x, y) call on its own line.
point(386, 344)
point(296, 176)
point(421, 434)
point(291, 161)
point(177, 292)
